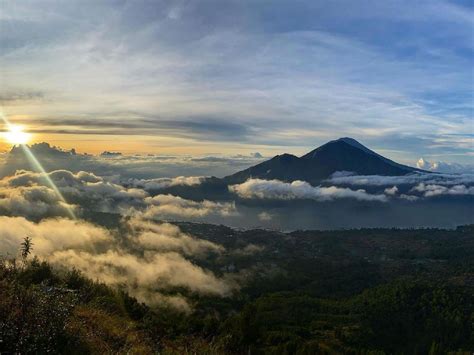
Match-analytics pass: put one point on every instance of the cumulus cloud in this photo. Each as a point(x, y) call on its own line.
point(278, 190)
point(431, 190)
point(392, 191)
point(155, 256)
point(420, 185)
point(31, 200)
point(170, 206)
point(444, 167)
point(29, 194)
point(409, 179)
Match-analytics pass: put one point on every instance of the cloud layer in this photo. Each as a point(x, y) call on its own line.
point(149, 258)
point(410, 179)
point(278, 190)
point(154, 258)
point(445, 167)
point(29, 194)
point(145, 170)
point(169, 206)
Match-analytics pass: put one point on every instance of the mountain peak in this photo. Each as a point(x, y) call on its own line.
point(285, 156)
point(355, 144)
point(338, 146)
point(347, 140)
point(343, 154)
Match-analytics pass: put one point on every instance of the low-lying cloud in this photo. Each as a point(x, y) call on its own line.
point(278, 190)
point(410, 179)
point(34, 201)
point(445, 167)
point(166, 237)
point(415, 186)
point(146, 257)
point(29, 194)
point(431, 190)
point(169, 206)
point(51, 235)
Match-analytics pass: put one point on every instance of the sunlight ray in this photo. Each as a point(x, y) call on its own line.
point(37, 165)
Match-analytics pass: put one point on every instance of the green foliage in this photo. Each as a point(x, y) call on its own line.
point(405, 316)
point(37, 272)
point(353, 292)
point(26, 247)
point(32, 317)
point(45, 311)
point(428, 317)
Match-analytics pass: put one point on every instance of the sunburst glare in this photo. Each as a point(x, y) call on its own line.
point(17, 135)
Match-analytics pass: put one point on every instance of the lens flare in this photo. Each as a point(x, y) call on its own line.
point(35, 162)
point(16, 135)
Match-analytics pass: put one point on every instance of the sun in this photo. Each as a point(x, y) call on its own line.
point(16, 135)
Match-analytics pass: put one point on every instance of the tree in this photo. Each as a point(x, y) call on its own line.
point(26, 247)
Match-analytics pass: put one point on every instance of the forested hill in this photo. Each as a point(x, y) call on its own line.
point(308, 292)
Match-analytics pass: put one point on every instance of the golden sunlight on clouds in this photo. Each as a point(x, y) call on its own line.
point(96, 144)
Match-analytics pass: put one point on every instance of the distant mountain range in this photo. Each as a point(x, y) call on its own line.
point(344, 154)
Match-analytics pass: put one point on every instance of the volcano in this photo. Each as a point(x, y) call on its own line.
point(341, 155)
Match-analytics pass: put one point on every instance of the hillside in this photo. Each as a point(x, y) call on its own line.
point(356, 291)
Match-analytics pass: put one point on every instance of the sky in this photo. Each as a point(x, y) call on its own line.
point(236, 77)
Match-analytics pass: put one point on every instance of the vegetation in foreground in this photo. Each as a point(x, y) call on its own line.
point(346, 307)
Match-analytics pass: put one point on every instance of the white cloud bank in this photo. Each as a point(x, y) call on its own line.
point(445, 167)
point(437, 190)
point(278, 190)
point(169, 206)
point(410, 179)
point(28, 194)
point(419, 185)
point(422, 186)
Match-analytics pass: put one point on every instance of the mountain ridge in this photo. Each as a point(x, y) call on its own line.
point(343, 154)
